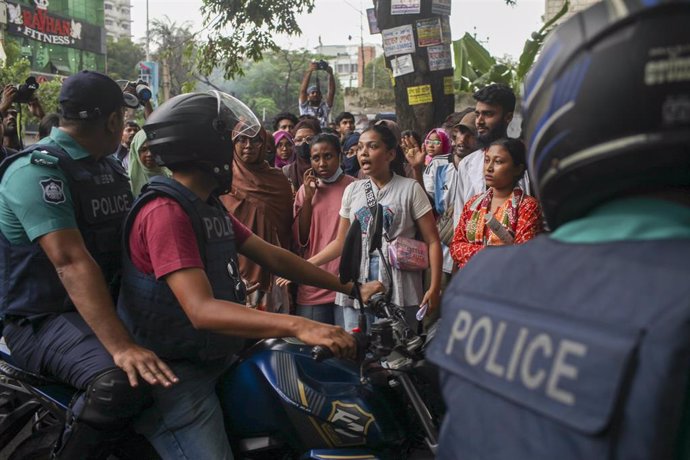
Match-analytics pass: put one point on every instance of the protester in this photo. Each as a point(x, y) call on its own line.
point(141, 165)
point(61, 245)
point(407, 212)
point(503, 214)
point(122, 153)
point(261, 199)
point(316, 221)
point(577, 343)
point(285, 121)
point(344, 125)
point(494, 111)
point(350, 164)
point(285, 148)
point(436, 142)
point(304, 133)
point(181, 292)
point(310, 98)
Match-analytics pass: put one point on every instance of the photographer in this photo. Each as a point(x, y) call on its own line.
point(310, 98)
point(24, 93)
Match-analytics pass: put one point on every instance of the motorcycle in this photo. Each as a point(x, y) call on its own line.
point(283, 399)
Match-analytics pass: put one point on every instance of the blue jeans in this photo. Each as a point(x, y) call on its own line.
point(348, 317)
point(186, 421)
point(322, 313)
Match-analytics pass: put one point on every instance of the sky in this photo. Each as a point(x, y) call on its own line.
point(502, 29)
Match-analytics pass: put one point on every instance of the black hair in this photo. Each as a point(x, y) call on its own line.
point(497, 94)
point(415, 135)
point(132, 124)
point(516, 149)
point(308, 123)
point(327, 138)
point(284, 116)
point(386, 134)
point(329, 130)
point(342, 116)
point(48, 122)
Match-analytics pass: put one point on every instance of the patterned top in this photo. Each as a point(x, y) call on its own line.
point(520, 216)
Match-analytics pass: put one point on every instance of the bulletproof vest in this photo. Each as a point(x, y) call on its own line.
point(101, 195)
point(149, 308)
point(570, 351)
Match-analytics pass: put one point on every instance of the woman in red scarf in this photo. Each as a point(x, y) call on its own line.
point(503, 214)
point(260, 198)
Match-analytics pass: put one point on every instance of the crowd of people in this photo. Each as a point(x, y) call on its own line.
point(269, 206)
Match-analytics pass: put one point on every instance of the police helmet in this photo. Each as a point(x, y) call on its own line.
point(607, 106)
point(197, 129)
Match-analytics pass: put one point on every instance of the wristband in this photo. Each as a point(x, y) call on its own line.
point(353, 291)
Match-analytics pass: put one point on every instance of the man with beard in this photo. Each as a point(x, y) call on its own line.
point(494, 111)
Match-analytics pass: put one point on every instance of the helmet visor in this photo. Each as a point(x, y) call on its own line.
point(236, 116)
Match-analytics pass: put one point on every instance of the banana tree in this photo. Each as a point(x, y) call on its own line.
point(476, 68)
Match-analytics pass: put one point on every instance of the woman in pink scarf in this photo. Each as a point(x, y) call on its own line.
point(437, 142)
point(285, 148)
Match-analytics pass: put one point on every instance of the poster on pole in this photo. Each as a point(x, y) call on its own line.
point(419, 95)
point(405, 6)
point(439, 57)
point(398, 40)
point(440, 7)
point(373, 24)
point(429, 32)
point(448, 87)
point(402, 65)
point(446, 37)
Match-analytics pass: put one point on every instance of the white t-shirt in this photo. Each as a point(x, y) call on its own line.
point(440, 182)
point(404, 202)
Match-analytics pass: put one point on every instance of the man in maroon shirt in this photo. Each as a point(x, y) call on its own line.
point(182, 294)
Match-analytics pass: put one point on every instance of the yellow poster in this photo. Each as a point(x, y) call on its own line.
point(448, 87)
point(419, 95)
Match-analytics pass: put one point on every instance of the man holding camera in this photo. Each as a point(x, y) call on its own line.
point(310, 98)
point(10, 95)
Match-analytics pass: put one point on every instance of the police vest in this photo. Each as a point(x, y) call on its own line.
point(101, 196)
point(149, 308)
point(570, 351)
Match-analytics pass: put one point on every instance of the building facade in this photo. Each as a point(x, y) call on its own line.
point(58, 37)
point(118, 19)
point(554, 6)
point(349, 61)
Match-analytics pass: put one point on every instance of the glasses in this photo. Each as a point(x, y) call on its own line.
point(252, 140)
point(237, 284)
point(302, 140)
point(432, 142)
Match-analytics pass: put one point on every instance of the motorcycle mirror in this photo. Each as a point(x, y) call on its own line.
point(352, 254)
point(377, 232)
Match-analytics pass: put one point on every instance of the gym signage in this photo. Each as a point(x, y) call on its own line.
point(40, 25)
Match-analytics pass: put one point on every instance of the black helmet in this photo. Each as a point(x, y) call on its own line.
point(197, 128)
point(607, 106)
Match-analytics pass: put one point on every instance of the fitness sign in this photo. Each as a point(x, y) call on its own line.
point(40, 25)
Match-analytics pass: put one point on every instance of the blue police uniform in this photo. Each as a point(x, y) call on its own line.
point(576, 344)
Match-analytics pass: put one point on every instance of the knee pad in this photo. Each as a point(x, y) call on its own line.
point(110, 401)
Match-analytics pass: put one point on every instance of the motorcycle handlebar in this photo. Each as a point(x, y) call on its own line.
point(320, 353)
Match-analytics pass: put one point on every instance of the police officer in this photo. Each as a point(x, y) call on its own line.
point(576, 345)
point(62, 203)
point(182, 294)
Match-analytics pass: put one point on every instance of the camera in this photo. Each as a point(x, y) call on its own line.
point(321, 65)
point(141, 90)
point(25, 91)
